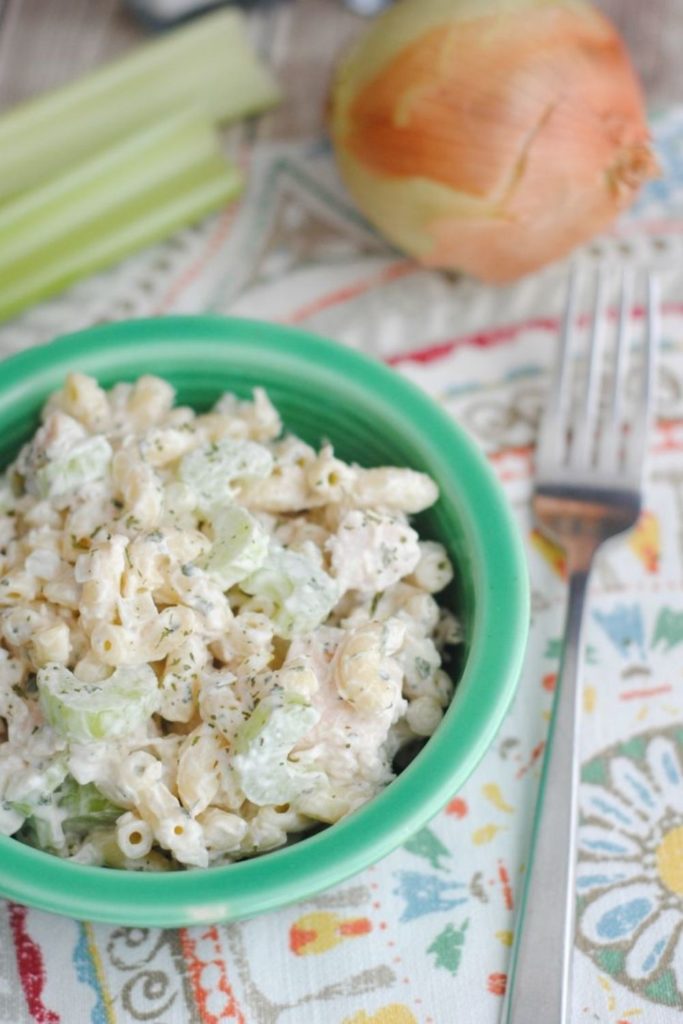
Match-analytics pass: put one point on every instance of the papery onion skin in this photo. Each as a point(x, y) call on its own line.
point(490, 136)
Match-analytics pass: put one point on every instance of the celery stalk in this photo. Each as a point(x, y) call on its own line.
point(175, 199)
point(51, 213)
point(208, 64)
point(150, 222)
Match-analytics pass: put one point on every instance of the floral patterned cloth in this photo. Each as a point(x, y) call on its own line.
point(424, 936)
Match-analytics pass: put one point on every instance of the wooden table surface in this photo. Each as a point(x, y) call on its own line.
point(46, 42)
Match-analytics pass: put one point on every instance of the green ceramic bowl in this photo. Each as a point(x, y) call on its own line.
point(374, 417)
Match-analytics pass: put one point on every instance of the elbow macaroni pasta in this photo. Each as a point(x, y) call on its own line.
point(212, 637)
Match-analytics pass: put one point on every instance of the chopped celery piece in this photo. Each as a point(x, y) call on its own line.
point(303, 594)
point(208, 64)
point(84, 807)
point(11, 819)
point(277, 723)
point(84, 712)
point(85, 463)
point(43, 832)
point(34, 799)
point(239, 548)
point(211, 469)
point(135, 194)
point(35, 786)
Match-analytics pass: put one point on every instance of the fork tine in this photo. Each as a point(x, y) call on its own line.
point(551, 446)
point(581, 449)
point(609, 454)
point(640, 424)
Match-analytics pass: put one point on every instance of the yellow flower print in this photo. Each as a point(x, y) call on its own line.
point(395, 1013)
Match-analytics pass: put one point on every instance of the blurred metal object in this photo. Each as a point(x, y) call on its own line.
point(159, 13)
point(162, 13)
point(366, 7)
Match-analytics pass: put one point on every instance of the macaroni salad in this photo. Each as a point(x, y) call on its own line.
point(212, 636)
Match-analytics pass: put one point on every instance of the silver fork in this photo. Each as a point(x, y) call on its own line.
point(589, 469)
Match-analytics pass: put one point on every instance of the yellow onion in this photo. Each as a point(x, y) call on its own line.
point(490, 136)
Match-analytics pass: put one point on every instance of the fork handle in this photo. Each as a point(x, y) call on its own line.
point(539, 981)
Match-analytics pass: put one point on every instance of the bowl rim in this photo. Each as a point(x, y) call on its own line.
point(499, 633)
